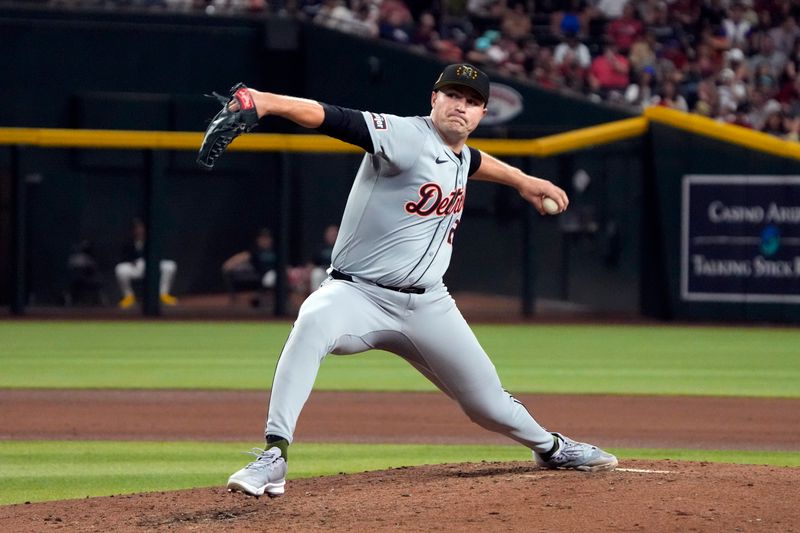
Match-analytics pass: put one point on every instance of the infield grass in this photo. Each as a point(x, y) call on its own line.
point(665, 360)
point(54, 470)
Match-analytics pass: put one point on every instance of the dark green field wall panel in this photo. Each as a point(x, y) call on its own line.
point(679, 153)
point(137, 71)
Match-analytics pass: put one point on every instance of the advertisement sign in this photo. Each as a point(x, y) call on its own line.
point(505, 103)
point(740, 239)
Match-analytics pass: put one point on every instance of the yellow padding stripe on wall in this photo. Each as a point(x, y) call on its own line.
point(707, 127)
point(543, 147)
point(166, 140)
point(257, 142)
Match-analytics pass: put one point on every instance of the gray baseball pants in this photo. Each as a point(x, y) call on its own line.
point(427, 330)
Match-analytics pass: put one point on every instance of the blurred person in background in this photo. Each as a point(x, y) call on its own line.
point(322, 259)
point(643, 52)
point(132, 267)
point(516, 23)
point(573, 60)
point(770, 55)
point(640, 93)
point(545, 72)
point(707, 102)
point(609, 73)
point(255, 266)
point(334, 14)
point(785, 35)
point(732, 91)
point(736, 26)
point(774, 124)
point(626, 29)
point(669, 97)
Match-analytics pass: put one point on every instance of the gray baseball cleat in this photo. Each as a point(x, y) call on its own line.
point(577, 456)
point(267, 474)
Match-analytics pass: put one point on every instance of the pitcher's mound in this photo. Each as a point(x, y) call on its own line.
point(640, 496)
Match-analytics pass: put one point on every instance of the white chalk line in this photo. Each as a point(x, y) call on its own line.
point(632, 470)
point(644, 471)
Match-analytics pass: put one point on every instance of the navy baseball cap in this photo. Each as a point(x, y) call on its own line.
point(466, 75)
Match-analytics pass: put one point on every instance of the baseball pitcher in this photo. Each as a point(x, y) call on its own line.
point(385, 290)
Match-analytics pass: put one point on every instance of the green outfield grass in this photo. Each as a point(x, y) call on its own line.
point(39, 471)
point(530, 358)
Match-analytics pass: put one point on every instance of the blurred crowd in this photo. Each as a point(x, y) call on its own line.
point(735, 61)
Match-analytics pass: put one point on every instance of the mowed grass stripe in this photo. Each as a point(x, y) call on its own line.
point(55, 470)
point(666, 360)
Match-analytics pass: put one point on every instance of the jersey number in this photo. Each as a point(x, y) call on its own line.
point(453, 231)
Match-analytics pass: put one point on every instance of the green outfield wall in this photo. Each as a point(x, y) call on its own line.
point(619, 249)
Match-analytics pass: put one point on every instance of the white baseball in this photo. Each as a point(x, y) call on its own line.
point(550, 206)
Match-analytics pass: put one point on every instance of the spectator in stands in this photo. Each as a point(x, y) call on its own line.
point(308, 9)
point(789, 92)
point(487, 49)
point(794, 57)
point(661, 26)
point(570, 16)
point(731, 90)
point(740, 116)
point(643, 52)
point(770, 55)
point(626, 29)
point(425, 33)
point(334, 14)
point(708, 61)
point(395, 22)
point(712, 13)
point(546, 73)
point(363, 20)
point(785, 35)
point(516, 23)
point(641, 92)
point(792, 126)
point(764, 80)
point(486, 9)
point(775, 124)
point(735, 60)
point(513, 65)
point(609, 73)
point(669, 96)
point(132, 267)
point(760, 108)
point(673, 55)
point(530, 49)
point(706, 103)
point(687, 14)
point(736, 26)
point(610, 9)
point(573, 60)
point(426, 38)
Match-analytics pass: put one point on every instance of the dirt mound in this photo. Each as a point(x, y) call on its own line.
point(640, 496)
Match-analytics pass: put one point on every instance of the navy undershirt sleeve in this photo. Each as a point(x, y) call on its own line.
point(346, 125)
point(474, 160)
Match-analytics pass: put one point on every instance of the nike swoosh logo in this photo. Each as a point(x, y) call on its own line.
point(442, 161)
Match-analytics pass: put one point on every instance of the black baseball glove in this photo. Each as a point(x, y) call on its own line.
point(238, 115)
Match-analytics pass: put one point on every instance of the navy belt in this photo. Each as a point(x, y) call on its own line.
point(335, 274)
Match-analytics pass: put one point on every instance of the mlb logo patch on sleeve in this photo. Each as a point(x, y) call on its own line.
point(380, 122)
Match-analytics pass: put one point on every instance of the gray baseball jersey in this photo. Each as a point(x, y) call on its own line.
point(397, 231)
point(404, 207)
